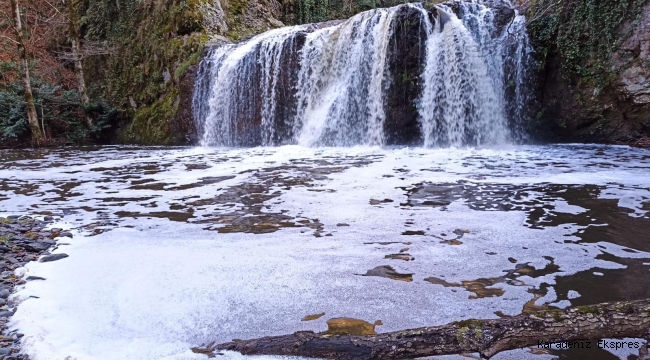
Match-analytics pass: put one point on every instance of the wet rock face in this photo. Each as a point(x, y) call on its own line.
point(634, 81)
point(182, 125)
point(575, 108)
point(248, 17)
point(286, 96)
point(406, 54)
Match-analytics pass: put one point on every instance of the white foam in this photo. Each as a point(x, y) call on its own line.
point(156, 290)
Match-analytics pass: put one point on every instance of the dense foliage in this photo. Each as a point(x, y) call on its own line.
point(60, 112)
point(152, 44)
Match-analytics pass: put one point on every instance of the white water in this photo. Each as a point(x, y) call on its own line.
point(334, 93)
point(341, 82)
point(233, 68)
point(462, 102)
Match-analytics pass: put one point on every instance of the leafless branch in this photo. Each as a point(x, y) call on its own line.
point(544, 12)
point(53, 7)
point(88, 48)
point(10, 39)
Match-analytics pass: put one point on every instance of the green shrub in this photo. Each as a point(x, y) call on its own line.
point(60, 113)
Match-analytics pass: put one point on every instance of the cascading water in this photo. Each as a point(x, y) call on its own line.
point(329, 86)
point(463, 99)
point(341, 82)
point(459, 102)
point(235, 97)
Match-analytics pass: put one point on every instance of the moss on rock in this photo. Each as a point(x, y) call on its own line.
point(155, 43)
point(591, 54)
point(150, 124)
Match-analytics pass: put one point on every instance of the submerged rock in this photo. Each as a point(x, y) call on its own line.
point(388, 272)
point(349, 326)
point(54, 257)
point(313, 317)
point(480, 287)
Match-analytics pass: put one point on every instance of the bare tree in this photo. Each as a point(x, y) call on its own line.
point(73, 21)
point(87, 49)
point(32, 117)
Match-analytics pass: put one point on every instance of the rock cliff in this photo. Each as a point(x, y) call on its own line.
point(594, 69)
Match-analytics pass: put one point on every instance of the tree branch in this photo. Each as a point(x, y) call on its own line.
point(10, 39)
point(543, 12)
point(88, 48)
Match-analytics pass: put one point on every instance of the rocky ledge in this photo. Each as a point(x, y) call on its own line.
point(22, 239)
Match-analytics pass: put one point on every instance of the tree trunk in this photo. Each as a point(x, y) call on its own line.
point(581, 325)
point(73, 17)
point(32, 117)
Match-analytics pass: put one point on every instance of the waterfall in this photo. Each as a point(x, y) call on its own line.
point(456, 75)
point(464, 84)
point(236, 94)
point(518, 72)
point(461, 102)
point(341, 82)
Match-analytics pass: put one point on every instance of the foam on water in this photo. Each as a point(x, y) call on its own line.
point(152, 286)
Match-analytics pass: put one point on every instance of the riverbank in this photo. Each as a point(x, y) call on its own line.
point(22, 239)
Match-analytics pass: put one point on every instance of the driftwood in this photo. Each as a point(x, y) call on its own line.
point(582, 325)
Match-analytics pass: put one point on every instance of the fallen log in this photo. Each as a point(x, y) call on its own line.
point(580, 325)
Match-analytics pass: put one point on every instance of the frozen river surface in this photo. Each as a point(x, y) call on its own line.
point(176, 247)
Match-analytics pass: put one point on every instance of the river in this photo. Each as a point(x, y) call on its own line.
point(176, 247)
